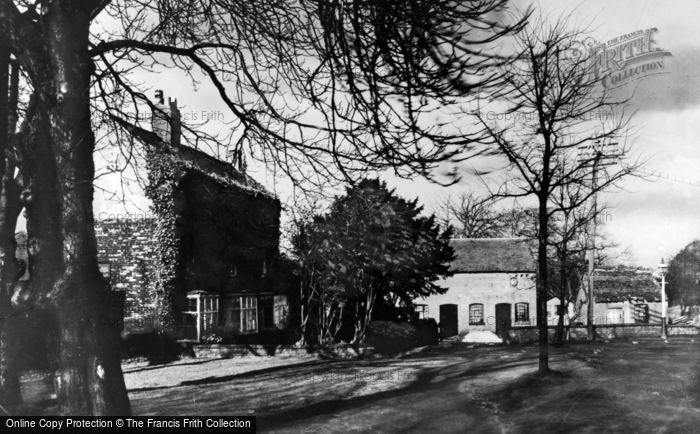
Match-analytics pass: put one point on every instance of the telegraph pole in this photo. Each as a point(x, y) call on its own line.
point(596, 152)
point(662, 269)
point(591, 255)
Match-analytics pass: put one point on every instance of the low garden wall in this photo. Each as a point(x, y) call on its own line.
point(525, 335)
point(217, 351)
point(214, 351)
point(383, 338)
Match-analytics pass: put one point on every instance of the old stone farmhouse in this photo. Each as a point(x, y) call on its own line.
point(493, 287)
point(207, 261)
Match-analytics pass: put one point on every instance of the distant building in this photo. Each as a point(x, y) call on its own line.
point(493, 287)
point(625, 296)
point(553, 307)
point(622, 296)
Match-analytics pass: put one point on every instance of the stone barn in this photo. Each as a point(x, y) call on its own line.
point(621, 296)
point(493, 288)
point(626, 296)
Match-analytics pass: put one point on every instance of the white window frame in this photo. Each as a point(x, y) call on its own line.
point(280, 311)
point(421, 311)
point(206, 313)
point(527, 312)
point(194, 313)
point(245, 311)
point(471, 320)
point(209, 312)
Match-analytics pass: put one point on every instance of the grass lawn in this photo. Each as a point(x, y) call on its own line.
point(618, 386)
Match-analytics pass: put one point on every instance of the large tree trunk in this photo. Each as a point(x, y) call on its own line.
point(40, 199)
point(363, 315)
point(10, 396)
point(89, 377)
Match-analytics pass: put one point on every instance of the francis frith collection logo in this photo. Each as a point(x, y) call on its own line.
point(627, 58)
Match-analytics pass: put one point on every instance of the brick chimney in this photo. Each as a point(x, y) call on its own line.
point(165, 120)
point(237, 158)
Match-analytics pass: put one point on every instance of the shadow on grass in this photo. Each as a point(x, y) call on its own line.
point(232, 377)
point(564, 402)
point(616, 392)
point(429, 383)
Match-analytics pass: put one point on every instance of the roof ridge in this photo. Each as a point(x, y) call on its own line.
point(489, 238)
point(492, 255)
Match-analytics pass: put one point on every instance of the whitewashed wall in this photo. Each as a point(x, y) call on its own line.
point(488, 289)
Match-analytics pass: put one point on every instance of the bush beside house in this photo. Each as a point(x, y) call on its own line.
point(389, 338)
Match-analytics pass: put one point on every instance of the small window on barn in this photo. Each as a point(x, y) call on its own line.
point(522, 312)
point(421, 311)
point(476, 314)
point(641, 313)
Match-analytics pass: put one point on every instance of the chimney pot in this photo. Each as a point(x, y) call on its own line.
point(159, 96)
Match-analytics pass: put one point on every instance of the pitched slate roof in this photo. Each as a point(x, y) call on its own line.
point(610, 286)
point(492, 255)
point(214, 168)
point(198, 161)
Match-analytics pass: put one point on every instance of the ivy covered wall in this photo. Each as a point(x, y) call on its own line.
point(216, 231)
point(168, 204)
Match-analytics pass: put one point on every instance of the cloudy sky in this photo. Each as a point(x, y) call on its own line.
point(652, 218)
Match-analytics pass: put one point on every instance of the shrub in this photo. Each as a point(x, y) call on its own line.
point(389, 338)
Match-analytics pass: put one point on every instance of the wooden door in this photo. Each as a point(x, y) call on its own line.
point(448, 320)
point(503, 321)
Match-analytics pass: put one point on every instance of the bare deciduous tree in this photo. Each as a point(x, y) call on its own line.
point(321, 90)
point(471, 216)
point(561, 108)
point(571, 230)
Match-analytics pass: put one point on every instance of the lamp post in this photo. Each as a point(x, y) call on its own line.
point(662, 271)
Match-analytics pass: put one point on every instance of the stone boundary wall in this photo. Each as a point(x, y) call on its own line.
point(526, 335)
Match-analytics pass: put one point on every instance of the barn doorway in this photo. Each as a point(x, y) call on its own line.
point(615, 315)
point(503, 321)
point(448, 320)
